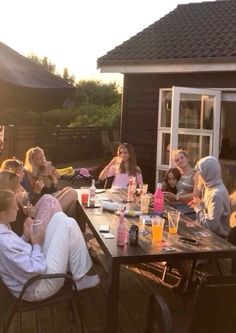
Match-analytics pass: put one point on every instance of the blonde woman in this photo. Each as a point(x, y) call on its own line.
point(41, 178)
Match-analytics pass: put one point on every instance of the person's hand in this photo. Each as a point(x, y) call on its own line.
point(38, 237)
point(29, 210)
point(196, 203)
point(48, 168)
point(169, 196)
point(39, 185)
point(114, 161)
point(28, 227)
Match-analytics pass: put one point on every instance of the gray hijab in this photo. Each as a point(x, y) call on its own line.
point(210, 170)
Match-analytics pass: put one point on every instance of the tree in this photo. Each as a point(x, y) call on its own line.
point(69, 78)
point(97, 92)
point(45, 62)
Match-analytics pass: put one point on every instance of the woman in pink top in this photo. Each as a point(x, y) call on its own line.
point(122, 167)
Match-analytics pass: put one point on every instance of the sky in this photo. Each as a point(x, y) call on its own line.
point(74, 33)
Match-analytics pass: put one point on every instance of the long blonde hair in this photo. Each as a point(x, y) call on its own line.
point(29, 164)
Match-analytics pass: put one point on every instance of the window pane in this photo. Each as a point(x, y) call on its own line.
point(195, 145)
point(196, 111)
point(166, 109)
point(165, 148)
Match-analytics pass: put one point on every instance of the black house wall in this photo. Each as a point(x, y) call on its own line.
point(140, 109)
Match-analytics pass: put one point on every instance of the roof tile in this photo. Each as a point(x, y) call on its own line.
point(193, 31)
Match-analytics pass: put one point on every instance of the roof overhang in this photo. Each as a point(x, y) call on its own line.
point(171, 66)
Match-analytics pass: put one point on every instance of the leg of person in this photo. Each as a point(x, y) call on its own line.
point(69, 203)
point(64, 247)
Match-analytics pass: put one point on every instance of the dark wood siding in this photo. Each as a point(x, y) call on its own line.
point(140, 109)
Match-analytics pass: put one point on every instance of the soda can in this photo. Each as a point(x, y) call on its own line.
point(133, 234)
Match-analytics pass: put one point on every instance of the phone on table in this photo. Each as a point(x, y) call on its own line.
point(189, 240)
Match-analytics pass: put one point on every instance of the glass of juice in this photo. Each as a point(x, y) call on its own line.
point(173, 221)
point(157, 228)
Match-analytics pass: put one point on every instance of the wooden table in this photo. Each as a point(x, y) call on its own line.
point(210, 246)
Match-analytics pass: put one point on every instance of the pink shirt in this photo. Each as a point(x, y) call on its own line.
point(122, 179)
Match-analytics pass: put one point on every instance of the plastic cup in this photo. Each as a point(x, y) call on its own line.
point(99, 210)
point(144, 200)
point(144, 188)
point(37, 225)
point(84, 195)
point(157, 229)
point(173, 221)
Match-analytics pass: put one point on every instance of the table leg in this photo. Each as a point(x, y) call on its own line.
point(113, 298)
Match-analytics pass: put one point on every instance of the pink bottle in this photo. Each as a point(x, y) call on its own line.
point(158, 200)
point(122, 232)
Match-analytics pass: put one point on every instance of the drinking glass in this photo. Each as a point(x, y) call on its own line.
point(173, 221)
point(145, 200)
point(84, 195)
point(157, 228)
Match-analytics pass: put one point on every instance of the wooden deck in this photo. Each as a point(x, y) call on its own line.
point(137, 284)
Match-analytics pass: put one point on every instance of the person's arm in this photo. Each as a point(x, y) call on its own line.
point(211, 216)
point(107, 171)
point(139, 177)
point(21, 260)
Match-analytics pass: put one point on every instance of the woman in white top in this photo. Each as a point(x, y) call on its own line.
point(54, 248)
point(122, 167)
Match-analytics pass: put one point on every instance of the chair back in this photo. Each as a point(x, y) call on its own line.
point(214, 309)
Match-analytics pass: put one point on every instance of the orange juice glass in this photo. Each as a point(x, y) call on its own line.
point(157, 229)
point(173, 221)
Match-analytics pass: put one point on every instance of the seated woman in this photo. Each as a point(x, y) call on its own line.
point(122, 167)
point(11, 181)
point(41, 177)
point(53, 249)
point(15, 165)
point(171, 179)
point(214, 209)
point(186, 186)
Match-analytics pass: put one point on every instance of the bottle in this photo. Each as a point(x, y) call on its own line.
point(121, 229)
point(158, 200)
point(131, 190)
point(133, 234)
point(92, 194)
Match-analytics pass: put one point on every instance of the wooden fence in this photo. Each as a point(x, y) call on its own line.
point(61, 144)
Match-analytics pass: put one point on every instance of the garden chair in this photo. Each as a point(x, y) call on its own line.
point(210, 309)
point(9, 305)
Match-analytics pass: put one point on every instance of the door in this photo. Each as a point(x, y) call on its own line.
point(189, 119)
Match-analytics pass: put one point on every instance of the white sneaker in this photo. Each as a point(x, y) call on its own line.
point(87, 282)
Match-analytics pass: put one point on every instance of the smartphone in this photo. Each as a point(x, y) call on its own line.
point(104, 228)
point(188, 240)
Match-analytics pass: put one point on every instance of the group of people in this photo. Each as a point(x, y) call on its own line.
point(199, 190)
point(28, 192)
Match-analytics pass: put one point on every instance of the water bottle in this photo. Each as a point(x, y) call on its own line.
point(131, 189)
point(121, 229)
point(92, 194)
point(158, 200)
